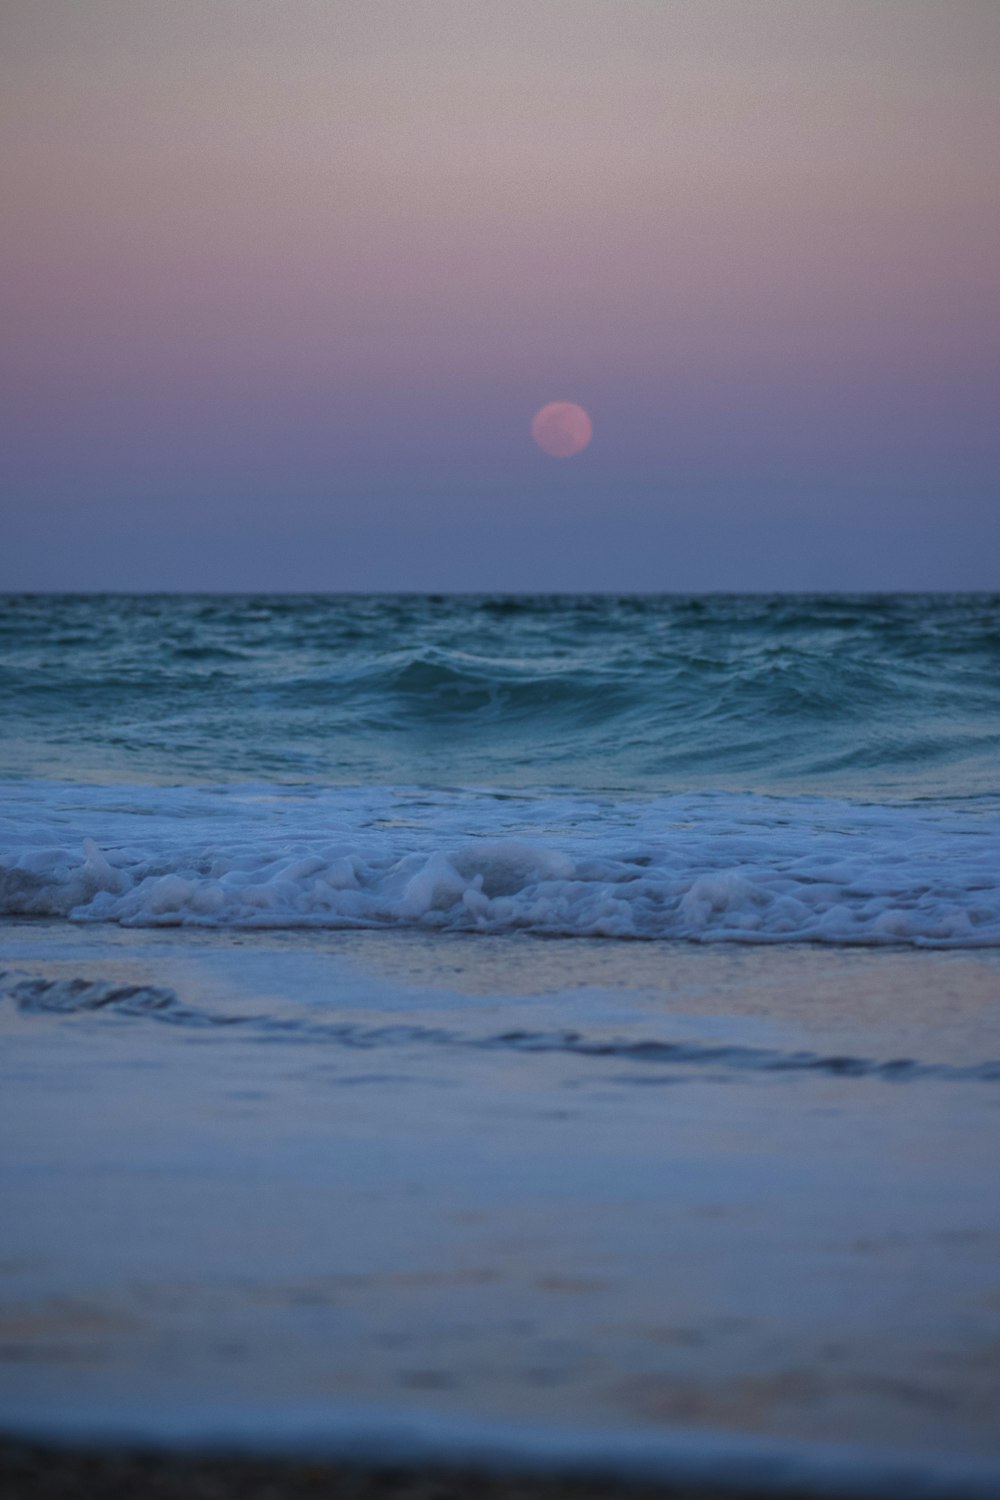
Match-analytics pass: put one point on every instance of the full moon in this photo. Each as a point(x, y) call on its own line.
point(561, 429)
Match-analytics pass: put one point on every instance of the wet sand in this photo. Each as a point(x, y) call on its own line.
point(34, 1473)
point(648, 1190)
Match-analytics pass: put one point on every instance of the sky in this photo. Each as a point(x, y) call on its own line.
point(285, 281)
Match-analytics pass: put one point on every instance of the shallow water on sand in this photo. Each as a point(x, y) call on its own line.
point(412, 1176)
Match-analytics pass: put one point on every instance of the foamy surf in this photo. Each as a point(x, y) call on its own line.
point(700, 868)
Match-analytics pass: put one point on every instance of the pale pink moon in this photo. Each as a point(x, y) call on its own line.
point(561, 429)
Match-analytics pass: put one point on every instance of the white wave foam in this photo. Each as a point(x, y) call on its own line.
point(703, 868)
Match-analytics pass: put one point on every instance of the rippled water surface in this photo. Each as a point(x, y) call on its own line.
point(759, 769)
point(871, 696)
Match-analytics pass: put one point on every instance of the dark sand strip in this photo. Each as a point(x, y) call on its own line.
point(35, 1472)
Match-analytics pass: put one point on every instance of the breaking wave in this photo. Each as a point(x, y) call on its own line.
point(700, 868)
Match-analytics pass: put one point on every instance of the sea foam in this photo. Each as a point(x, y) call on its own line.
point(699, 867)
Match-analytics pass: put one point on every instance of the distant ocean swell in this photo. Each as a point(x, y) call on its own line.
point(701, 868)
point(896, 696)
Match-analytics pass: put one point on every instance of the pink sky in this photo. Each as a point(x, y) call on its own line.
point(309, 266)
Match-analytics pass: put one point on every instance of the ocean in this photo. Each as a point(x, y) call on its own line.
point(752, 769)
point(557, 1025)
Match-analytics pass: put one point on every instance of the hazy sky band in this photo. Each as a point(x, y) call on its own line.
point(285, 283)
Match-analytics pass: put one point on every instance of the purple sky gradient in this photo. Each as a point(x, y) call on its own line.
point(285, 281)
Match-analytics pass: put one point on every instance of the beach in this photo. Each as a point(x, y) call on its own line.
point(387, 1185)
point(556, 1116)
point(44, 1473)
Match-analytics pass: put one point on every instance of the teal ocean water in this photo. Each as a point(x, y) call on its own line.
point(877, 697)
point(757, 768)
